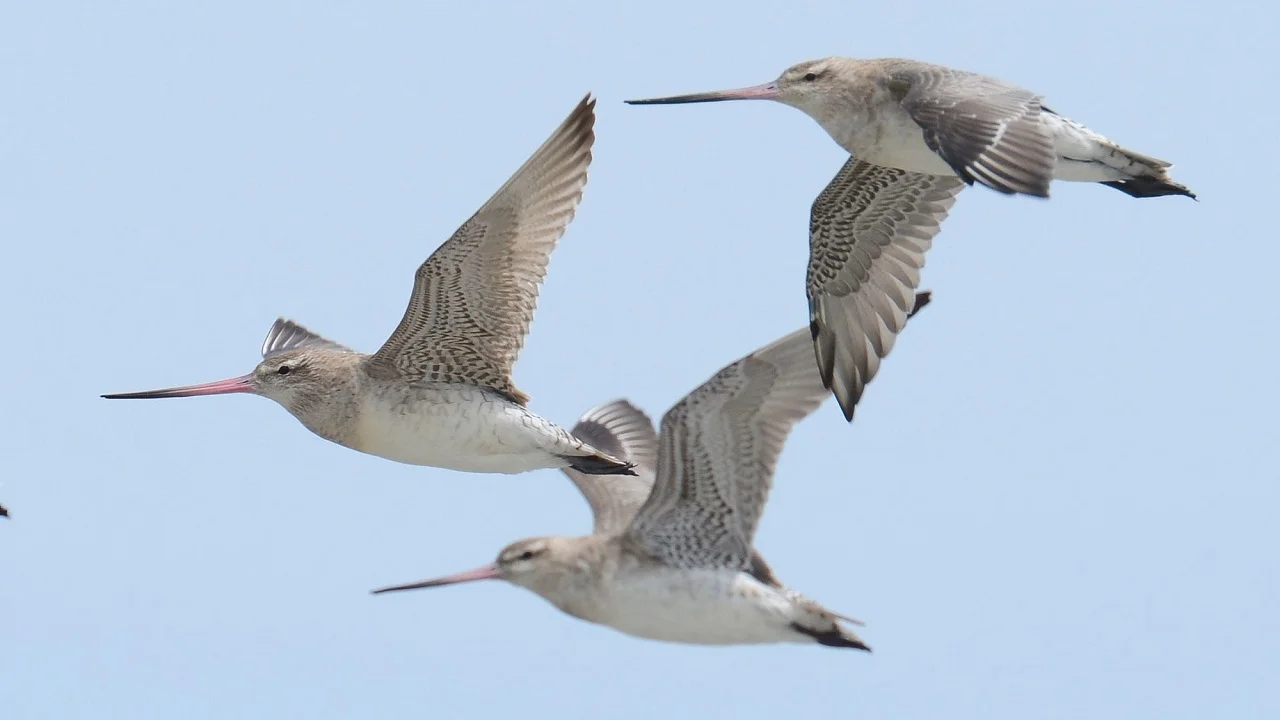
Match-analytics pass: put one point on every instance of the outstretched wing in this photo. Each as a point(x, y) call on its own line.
point(717, 453)
point(474, 298)
point(624, 431)
point(869, 231)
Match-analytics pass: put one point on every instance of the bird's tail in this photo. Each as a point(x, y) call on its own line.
point(1086, 155)
point(836, 636)
point(1148, 186)
point(599, 463)
point(1145, 176)
point(824, 626)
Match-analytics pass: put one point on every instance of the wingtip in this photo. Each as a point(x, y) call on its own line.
point(583, 122)
point(847, 407)
point(844, 391)
point(923, 298)
point(580, 123)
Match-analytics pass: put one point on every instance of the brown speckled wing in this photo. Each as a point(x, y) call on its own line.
point(626, 432)
point(717, 454)
point(474, 298)
point(869, 231)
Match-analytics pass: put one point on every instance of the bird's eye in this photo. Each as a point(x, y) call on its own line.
point(810, 77)
point(284, 370)
point(526, 555)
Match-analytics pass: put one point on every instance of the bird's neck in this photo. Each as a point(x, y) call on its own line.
point(332, 410)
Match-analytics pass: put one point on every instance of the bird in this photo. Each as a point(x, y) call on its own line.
point(931, 119)
point(439, 392)
point(671, 556)
point(4, 512)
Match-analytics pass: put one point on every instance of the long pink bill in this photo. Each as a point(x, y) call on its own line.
point(242, 384)
point(767, 91)
point(488, 572)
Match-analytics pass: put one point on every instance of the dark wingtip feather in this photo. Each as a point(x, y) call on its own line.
point(844, 398)
point(599, 465)
point(846, 407)
point(1149, 187)
point(832, 638)
point(824, 348)
point(923, 298)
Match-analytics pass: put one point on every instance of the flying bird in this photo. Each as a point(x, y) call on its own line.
point(671, 556)
point(439, 392)
point(935, 120)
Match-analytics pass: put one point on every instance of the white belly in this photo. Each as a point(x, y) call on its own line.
point(698, 607)
point(897, 141)
point(1083, 155)
point(458, 428)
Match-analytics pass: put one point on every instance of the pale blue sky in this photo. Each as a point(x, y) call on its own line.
point(1058, 501)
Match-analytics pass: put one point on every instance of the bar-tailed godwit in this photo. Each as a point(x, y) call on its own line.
point(440, 391)
point(932, 119)
point(671, 556)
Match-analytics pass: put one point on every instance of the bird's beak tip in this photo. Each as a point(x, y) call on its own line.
point(767, 91)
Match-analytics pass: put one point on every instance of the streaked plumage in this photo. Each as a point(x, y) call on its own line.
point(439, 392)
point(626, 432)
point(869, 231)
point(679, 565)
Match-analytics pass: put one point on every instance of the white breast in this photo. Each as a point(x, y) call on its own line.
point(701, 607)
point(454, 427)
point(882, 134)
